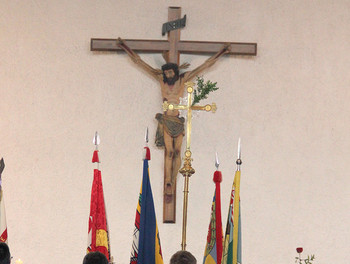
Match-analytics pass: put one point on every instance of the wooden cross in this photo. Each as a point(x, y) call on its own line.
point(171, 50)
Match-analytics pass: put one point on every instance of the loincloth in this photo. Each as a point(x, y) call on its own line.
point(173, 126)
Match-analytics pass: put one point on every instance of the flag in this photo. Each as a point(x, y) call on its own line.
point(146, 247)
point(98, 236)
point(233, 240)
point(213, 248)
point(3, 225)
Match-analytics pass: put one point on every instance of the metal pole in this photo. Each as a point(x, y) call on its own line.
point(184, 215)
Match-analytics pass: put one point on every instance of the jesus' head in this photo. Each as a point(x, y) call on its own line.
point(170, 73)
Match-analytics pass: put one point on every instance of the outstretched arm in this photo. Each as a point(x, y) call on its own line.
point(209, 62)
point(136, 58)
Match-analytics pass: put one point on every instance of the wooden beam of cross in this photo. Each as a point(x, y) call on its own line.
point(171, 49)
point(187, 171)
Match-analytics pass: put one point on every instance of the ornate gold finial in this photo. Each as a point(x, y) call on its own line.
point(187, 169)
point(190, 84)
point(165, 106)
point(213, 107)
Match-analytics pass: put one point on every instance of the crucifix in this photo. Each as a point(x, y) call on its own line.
point(187, 169)
point(170, 130)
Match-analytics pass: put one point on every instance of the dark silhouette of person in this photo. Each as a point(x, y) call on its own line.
point(5, 256)
point(183, 257)
point(95, 257)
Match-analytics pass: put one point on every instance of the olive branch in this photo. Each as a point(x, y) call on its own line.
point(203, 89)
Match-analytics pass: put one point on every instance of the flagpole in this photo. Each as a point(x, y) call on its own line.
point(2, 166)
point(186, 171)
point(236, 206)
point(96, 142)
point(239, 161)
point(146, 152)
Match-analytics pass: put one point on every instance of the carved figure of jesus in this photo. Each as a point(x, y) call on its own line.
point(170, 131)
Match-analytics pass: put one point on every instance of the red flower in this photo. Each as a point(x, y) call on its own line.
point(299, 249)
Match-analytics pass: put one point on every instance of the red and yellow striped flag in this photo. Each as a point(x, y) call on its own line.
point(98, 236)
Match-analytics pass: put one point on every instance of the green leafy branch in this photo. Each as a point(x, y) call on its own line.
point(308, 260)
point(203, 89)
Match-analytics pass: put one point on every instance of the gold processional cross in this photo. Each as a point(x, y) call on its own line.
point(187, 169)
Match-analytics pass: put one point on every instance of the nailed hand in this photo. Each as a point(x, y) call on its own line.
point(227, 47)
point(120, 41)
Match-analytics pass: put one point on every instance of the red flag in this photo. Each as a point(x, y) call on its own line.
point(98, 236)
point(213, 248)
point(3, 225)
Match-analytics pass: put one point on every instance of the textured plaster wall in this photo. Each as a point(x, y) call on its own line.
point(289, 105)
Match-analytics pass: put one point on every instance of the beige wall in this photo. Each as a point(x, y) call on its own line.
point(289, 105)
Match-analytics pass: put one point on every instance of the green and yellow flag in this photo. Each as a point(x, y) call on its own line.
point(232, 252)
